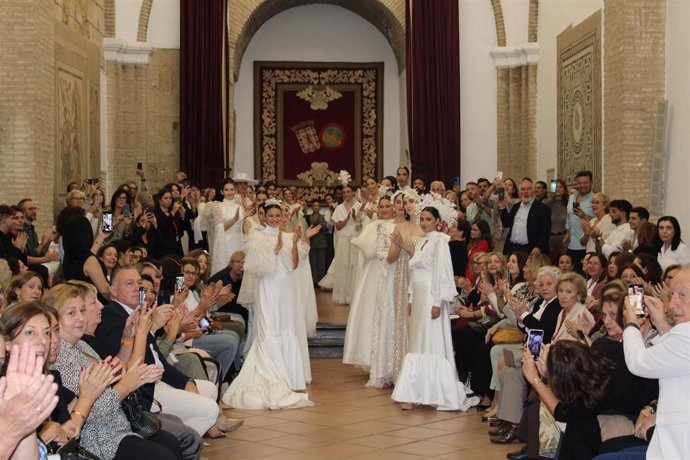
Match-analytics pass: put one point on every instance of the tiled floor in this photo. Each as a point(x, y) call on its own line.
point(351, 421)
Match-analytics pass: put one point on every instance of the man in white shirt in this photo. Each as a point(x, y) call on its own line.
point(639, 217)
point(619, 212)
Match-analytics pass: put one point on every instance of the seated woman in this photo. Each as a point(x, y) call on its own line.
point(472, 352)
point(572, 290)
point(107, 432)
point(480, 241)
point(509, 332)
point(565, 263)
point(108, 256)
point(25, 287)
point(584, 383)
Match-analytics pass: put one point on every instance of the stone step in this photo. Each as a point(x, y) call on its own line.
point(328, 341)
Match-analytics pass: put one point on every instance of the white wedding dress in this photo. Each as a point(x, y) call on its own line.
point(383, 326)
point(340, 273)
point(360, 321)
point(428, 375)
point(226, 241)
point(275, 364)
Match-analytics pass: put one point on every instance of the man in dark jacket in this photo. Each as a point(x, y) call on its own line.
point(529, 223)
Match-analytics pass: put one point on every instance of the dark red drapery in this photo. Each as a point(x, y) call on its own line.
point(433, 88)
point(202, 39)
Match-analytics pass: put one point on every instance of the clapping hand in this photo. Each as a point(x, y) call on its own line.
point(396, 238)
point(27, 396)
point(20, 241)
point(313, 230)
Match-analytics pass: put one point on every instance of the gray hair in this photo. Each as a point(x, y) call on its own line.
point(72, 194)
point(549, 270)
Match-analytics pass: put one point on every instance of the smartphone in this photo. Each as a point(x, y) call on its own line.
point(140, 165)
point(126, 210)
point(186, 183)
point(636, 298)
point(499, 174)
point(204, 324)
point(163, 297)
point(535, 339)
point(456, 181)
point(142, 296)
point(501, 194)
point(107, 222)
point(576, 205)
point(553, 185)
point(179, 283)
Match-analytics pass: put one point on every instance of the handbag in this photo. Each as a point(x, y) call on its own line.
point(71, 450)
point(143, 422)
point(508, 335)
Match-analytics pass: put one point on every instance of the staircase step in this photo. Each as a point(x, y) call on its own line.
point(328, 341)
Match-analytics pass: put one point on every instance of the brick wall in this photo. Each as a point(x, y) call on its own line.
point(634, 81)
point(143, 119)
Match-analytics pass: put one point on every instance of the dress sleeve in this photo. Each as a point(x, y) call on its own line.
point(261, 258)
point(442, 280)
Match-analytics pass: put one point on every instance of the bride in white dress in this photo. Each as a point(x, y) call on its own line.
point(229, 217)
point(360, 321)
point(428, 375)
point(340, 273)
point(274, 368)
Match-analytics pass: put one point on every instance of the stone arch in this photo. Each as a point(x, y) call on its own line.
point(143, 27)
point(388, 16)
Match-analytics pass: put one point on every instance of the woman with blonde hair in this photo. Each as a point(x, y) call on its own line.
point(107, 432)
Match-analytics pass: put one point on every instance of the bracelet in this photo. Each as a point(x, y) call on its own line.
point(79, 414)
point(535, 381)
point(127, 342)
point(632, 324)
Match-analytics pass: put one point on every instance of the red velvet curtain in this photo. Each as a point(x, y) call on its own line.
point(202, 79)
point(433, 88)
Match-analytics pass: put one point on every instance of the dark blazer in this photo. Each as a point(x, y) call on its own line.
point(109, 334)
point(548, 319)
point(538, 225)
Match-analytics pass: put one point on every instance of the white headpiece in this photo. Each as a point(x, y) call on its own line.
point(344, 178)
point(243, 177)
point(446, 209)
point(273, 202)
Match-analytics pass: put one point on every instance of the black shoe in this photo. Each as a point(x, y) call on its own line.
point(519, 455)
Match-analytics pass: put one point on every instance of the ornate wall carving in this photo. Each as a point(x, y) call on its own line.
point(579, 100)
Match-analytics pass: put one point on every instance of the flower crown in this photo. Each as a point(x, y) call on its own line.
point(446, 209)
point(273, 202)
point(344, 178)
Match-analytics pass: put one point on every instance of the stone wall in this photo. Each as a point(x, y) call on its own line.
point(634, 82)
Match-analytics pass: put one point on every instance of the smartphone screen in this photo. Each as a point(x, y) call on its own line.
point(535, 339)
point(501, 194)
point(204, 324)
point(179, 283)
point(576, 205)
point(142, 296)
point(126, 210)
point(456, 181)
point(636, 298)
point(107, 222)
point(499, 174)
point(553, 185)
point(163, 297)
